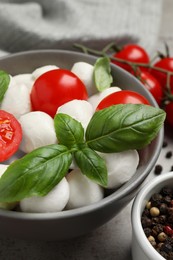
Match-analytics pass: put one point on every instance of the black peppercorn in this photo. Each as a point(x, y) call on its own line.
point(163, 208)
point(156, 200)
point(168, 154)
point(146, 222)
point(165, 144)
point(167, 199)
point(147, 231)
point(162, 219)
point(166, 247)
point(166, 191)
point(158, 169)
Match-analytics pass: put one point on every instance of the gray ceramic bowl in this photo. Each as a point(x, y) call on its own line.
point(72, 223)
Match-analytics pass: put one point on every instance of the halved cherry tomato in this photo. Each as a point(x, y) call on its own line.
point(122, 97)
point(10, 135)
point(133, 53)
point(54, 88)
point(152, 84)
point(167, 64)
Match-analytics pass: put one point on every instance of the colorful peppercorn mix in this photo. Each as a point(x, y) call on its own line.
point(157, 222)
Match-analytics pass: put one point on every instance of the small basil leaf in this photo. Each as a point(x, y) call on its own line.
point(68, 130)
point(35, 174)
point(92, 165)
point(4, 82)
point(102, 73)
point(123, 127)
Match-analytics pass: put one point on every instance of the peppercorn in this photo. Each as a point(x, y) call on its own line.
point(170, 219)
point(157, 229)
point(166, 191)
point(152, 241)
point(170, 210)
point(146, 212)
point(146, 222)
point(167, 199)
point(158, 169)
point(168, 155)
point(148, 205)
point(165, 144)
point(163, 208)
point(156, 200)
point(164, 254)
point(154, 212)
point(162, 219)
point(162, 236)
point(147, 231)
point(166, 247)
point(168, 230)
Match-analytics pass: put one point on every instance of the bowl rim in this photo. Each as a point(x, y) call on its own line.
point(136, 212)
point(110, 198)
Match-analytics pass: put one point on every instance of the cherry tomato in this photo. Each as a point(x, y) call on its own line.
point(152, 84)
point(133, 53)
point(54, 88)
point(167, 64)
point(169, 113)
point(10, 135)
point(122, 97)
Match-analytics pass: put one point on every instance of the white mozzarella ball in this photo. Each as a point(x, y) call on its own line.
point(54, 201)
point(6, 205)
point(120, 166)
point(83, 191)
point(81, 110)
point(38, 130)
point(41, 70)
point(16, 99)
point(95, 99)
point(85, 71)
point(25, 79)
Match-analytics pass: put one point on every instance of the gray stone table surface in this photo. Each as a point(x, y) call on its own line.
point(111, 241)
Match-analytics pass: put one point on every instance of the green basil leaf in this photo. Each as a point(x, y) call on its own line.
point(92, 165)
point(4, 82)
point(35, 174)
point(102, 73)
point(69, 131)
point(123, 127)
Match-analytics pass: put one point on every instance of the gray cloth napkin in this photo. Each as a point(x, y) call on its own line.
point(58, 24)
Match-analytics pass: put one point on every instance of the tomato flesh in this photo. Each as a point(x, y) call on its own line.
point(54, 88)
point(10, 135)
point(122, 97)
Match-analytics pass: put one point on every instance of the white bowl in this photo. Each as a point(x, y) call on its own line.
point(141, 247)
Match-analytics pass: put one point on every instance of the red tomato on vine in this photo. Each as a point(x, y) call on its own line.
point(151, 84)
point(133, 53)
point(166, 64)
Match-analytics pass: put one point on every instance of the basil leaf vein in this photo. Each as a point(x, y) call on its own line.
point(69, 131)
point(92, 165)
